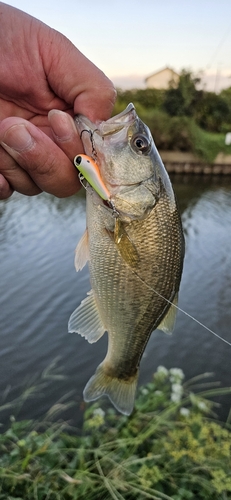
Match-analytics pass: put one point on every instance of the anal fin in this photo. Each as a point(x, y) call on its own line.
point(86, 320)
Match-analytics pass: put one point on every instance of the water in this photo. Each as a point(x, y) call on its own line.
point(40, 289)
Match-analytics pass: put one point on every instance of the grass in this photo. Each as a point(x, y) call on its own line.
point(171, 447)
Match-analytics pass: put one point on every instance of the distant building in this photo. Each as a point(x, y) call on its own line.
point(162, 79)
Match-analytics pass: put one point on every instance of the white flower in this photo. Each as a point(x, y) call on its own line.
point(98, 412)
point(175, 397)
point(144, 391)
point(162, 370)
point(202, 406)
point(177, 388)
point(158, 393)
point(184, 412)
point(161, 374)
point(176, 375)
point(177, 391)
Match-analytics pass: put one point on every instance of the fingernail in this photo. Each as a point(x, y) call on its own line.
point(62, 125)
point(18, 138)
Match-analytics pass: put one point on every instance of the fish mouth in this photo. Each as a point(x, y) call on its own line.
point(103, 141)
point(126, 118)
point(116, 123)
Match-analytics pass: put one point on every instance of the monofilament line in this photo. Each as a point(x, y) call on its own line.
point(182, 310)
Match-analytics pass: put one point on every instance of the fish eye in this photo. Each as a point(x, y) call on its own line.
point(140, 143)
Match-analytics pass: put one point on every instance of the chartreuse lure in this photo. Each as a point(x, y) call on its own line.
point(90, 171)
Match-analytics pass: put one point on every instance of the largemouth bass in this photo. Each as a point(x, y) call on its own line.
point(135, 247)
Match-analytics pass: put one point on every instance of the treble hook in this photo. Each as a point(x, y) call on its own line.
point(91, 132)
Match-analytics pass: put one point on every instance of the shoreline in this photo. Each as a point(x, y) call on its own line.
point(187, 163)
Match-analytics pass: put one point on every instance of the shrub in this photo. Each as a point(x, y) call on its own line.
point(170, 448)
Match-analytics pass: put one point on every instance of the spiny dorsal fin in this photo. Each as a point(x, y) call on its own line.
point(86, 321)
point(82, 252)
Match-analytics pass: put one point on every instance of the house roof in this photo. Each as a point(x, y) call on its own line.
point(161, 71)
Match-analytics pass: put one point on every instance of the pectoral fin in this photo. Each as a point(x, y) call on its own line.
point(124, 245)
point(86, 321)
point(82, 252)
point(168, 322)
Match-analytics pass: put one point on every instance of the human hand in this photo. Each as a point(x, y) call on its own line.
point(44, 81)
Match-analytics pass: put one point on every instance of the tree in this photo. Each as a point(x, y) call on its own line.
point(226, 96)
point(181, 100)
point(148, 98)
point(213, 112)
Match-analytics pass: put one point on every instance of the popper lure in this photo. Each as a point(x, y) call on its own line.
point(90, 171)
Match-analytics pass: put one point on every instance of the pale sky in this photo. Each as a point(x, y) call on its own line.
point(132, 39)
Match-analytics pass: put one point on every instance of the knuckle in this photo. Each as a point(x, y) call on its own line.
point(5, 189)
point(45, 165)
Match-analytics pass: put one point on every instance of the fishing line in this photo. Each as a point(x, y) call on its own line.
point(182, 310)
point(216, 51)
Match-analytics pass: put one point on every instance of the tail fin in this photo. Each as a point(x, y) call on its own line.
point(120, 392)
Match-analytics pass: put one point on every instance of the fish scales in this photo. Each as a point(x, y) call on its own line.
point(135, 290)
point(136, 250)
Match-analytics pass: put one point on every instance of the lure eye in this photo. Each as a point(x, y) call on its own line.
point(140, 143)
point(81, 159)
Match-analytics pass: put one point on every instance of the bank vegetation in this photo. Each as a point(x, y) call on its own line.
point(184, 118)
point(172, 447)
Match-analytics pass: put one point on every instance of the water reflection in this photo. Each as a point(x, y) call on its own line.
point(40, 289)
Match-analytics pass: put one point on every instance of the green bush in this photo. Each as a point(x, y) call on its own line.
point(212, 112)
point(183, 99)
point(180, 133)
point(170, 448)
point(183, 118)
point(170, 134)
point(147, 98)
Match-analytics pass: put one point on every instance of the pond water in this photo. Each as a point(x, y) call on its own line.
point(40, 289)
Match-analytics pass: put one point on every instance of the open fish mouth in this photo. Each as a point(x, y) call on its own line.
point(99, 138)
point(109, 127)
point(116, 123)
point(108, 140)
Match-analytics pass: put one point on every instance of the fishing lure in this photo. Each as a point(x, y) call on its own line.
point(90, 171)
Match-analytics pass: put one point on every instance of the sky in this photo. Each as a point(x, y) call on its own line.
point(130, 39)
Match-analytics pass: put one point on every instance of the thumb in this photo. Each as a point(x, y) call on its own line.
point(76, 80)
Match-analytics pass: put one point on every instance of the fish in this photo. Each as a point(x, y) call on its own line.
point(134, 246)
